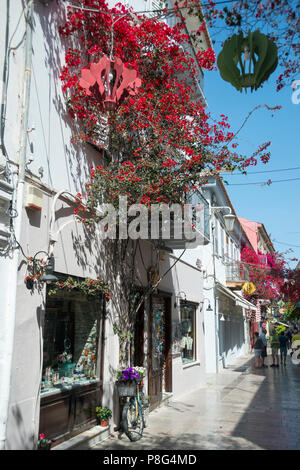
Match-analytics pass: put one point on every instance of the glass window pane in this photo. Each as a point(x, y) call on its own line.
point(71, 341)
point(188, 331)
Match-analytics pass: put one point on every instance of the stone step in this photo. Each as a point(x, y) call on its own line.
point(88, 438)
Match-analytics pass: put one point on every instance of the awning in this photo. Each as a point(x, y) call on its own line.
point(239, 300)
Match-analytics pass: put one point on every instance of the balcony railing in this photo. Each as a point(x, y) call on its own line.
point(173, 234)
point(237, 272)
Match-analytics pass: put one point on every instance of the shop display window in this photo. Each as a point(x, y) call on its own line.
point(188, 332)
point(71, 339)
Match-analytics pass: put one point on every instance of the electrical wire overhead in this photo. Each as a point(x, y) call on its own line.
point(264, 171)
point(262, 183)
point(161, 10)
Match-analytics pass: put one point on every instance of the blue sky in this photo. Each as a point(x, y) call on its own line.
point(277, 206)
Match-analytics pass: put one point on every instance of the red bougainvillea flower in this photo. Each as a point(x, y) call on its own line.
point(160, 139)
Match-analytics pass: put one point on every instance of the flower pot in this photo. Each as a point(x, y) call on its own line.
point(104, 423)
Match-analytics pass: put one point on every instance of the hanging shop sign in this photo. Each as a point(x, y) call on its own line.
point(246, 62)
point(109, 82)
point(249, 288)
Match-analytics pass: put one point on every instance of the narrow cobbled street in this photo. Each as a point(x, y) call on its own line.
point(239, 408)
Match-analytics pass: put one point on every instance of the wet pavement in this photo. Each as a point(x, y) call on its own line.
point(239, 408)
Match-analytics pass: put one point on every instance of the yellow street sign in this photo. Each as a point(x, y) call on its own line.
point(249, 288)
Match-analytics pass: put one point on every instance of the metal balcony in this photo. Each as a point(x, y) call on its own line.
point(237, 273)
point(173, 235)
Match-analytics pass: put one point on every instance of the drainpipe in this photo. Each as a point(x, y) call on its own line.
point(216, 304)
point(10, 316)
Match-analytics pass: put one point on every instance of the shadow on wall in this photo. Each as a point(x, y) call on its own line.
point(88, 247)
point(78, 156)
point(22, 440)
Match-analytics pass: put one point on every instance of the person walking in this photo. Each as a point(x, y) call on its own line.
point(274, 342)
point(289, 337)
point(283, 340)
point(258, 348)
point(264, 351)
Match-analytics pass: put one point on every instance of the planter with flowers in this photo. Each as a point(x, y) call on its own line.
point(142, 373)
point(91, 288)
point(44, 443)
point(103, 415)
point(127, 380)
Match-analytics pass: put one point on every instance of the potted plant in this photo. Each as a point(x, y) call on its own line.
point(44, 443)
point(103, 415)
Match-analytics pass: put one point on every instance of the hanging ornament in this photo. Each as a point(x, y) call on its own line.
point(109, 82)
point(255, 53)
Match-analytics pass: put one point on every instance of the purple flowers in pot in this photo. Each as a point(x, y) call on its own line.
point(128, 374)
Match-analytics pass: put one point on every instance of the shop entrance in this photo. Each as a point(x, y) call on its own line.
point(160, 362)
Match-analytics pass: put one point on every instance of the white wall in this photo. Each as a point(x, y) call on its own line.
point(188, 279)
point(66, 166)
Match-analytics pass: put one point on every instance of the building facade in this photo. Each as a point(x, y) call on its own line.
point(41, 170)
point(227, 328)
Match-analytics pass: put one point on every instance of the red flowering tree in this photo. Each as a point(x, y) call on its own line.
point(277, 19)
point(155, 144)
point(291, 293)
point(267, 272)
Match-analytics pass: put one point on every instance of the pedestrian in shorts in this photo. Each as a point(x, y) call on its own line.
point(264, 351)
point(258, 348)
point(274, 342)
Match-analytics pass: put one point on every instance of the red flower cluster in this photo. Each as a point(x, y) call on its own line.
point(267, 272)
point(206, 59)
point(161, 138)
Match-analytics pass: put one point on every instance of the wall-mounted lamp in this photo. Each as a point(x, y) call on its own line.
point(48, 277)
point(180, 297)
point(209, 309)
point(229, 219)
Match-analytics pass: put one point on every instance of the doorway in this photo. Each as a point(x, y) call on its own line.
point(160, 359)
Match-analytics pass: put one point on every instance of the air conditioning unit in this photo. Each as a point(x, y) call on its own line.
point(34, 198)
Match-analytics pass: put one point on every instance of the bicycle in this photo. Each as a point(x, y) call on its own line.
point(133, 422)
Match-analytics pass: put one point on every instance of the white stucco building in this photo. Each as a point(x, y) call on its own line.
point(227, 328)
point(41, 170)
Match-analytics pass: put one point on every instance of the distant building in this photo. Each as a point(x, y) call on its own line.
point(257, 235)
